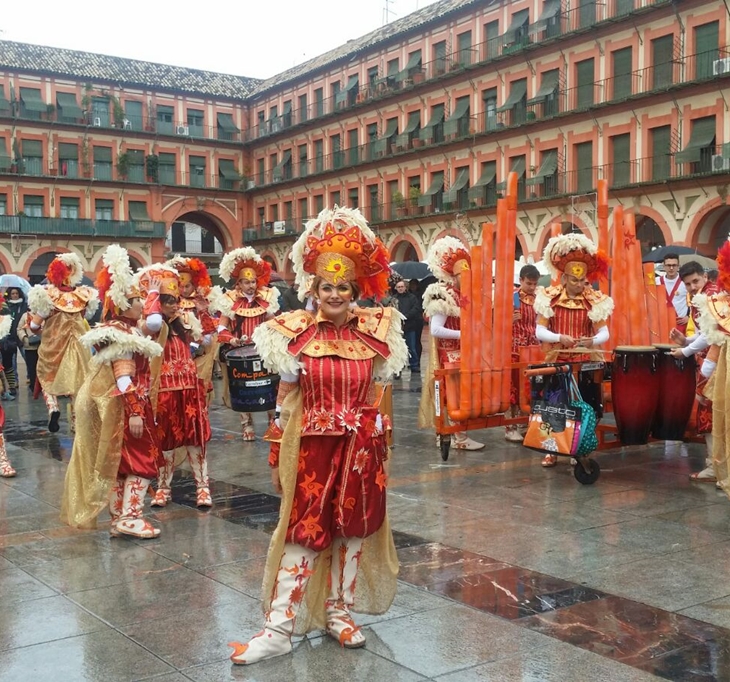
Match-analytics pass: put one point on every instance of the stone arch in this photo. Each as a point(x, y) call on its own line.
point(269, 257)
point(710, 227)
point(652, 228)
point(405, 247)
point(40, 259)
point(570, 223)
point(5, 266)
point(211, 218)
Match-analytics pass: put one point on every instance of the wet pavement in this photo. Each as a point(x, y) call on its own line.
point(509, 572)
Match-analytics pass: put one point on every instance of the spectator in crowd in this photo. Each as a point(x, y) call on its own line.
point(410, 307)
point(29, 342)
point(290, 300)
point(15, 306)
point(675, 290)
point(414, 286)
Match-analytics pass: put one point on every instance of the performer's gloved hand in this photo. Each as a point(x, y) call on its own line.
point(379, 423)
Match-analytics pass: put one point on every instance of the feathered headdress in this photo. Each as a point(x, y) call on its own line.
point(575, 254)
point(245, 261)
point(65, 270)
point(339, 246)
point(170, 280)
point(723, 267)
point(115, 281)
point(447, 258)
point(192, 268)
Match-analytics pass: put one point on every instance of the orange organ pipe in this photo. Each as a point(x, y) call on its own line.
point(475, 320)
point(486, 339)
point(618, 323)
point(652, 304)
point(602, 216)
point(634, 283)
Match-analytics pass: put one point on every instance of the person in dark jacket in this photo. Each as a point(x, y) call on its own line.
point(15, 306)
point(289, 300)
point(410, 307)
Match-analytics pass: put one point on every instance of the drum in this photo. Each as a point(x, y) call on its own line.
point(677, 384)
point(634, 392)
point(252, 388)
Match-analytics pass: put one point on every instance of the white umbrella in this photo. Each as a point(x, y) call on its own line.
point(10, 281)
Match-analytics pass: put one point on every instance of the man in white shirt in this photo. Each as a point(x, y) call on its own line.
point(676, 291)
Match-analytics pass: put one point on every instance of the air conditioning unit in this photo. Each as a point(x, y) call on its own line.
point(721, 66)
point(182, 130)
point(720, 163)
point(251, 184)
point(127, 124)
point(279, 226)
point(97, 122)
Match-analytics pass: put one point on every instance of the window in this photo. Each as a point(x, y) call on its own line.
point(584, 93)
point(661, 163)
point(227, 129)
point(696, 156)
point(547, 95)
point(104, 209)
point(275, 124)
point(517, 164)
point(303, 114)
point(286, 114)
point(373, 203)
point(439, 58)
point(319, 102)
point(273, 163)
point(33, 205)
point(138, 211)
point(584, 166)
point(334, 91)
point(100, 112)
point(335, 199)
point(274, 212)
point(548, 21)
point(546, 175)
point(624, 7)
point(167, 169)
point(32, 104)
point(372, 77)
point(303, 209)
point(318, 203)
point(517, 34)
point(706, 47)
point(463, 40)
point(103, 163)
point(662, 53)
point(261, 123)
point(338, 158)
point(33, 157)
point(3, 204)
point(288, 211)
point(433, 131)
point(372, 134)
point(586, 13)
point(492, 39)
point(133, 115)
point(484, 191)
point(195, 122)
point(303, 164)
point(457, 125)
point(353, 197)
point(516, 103)
point(197, 171)
point(622, 78)
point(135, 167)
point(318, 156)
point(621, 160)
point(165, 124)
point(457, 196)
point(261, 171)
point(68, 160)
point(5, 161)
point(489, 106)
point(228, 177)
point(353, 148)
point(432, 199)
point(68, 108)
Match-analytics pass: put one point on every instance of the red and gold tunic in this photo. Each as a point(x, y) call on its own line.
point(241, 317)
point(341, 480)
point(523, 330)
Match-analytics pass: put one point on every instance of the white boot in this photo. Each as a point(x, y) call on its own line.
point(295, 568)
point(131, 521)
point(461, 441)
point(707, 475)
point(199, 466)
point(343, 575)
point(164, 480)
point(6, 469)
point(116, 505)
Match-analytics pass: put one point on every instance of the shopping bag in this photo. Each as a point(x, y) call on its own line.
point(588, 440)
point(554, 428)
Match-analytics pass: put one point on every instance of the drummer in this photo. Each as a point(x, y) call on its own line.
point(695, 278)
point(243, 308)
point(572, 314)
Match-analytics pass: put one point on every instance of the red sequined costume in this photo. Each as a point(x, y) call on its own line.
point(523, 334)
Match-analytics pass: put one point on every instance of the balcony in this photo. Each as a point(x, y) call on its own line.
point(23, 225)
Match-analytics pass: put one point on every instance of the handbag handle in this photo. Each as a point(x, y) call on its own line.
point(574, 390)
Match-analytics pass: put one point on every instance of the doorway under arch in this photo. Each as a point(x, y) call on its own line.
point(37, 269)
point(649, 234)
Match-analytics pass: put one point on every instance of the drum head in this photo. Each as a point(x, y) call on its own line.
point(634, 349)
point(242, 352)
point(666, 346)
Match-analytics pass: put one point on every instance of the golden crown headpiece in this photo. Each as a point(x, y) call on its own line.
point(169, 279)
point(574, 254)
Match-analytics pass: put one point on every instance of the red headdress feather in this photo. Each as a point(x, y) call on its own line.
point(601, 264)
point(57, 272)
point(723, 267)
point(199, 273)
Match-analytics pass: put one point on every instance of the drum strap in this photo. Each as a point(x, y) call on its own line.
point(670, 295)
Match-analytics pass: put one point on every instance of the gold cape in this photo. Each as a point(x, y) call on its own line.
point(62, 361)
point(717, 390)
point(427, 406)
point(376, 577)
point(96, 450)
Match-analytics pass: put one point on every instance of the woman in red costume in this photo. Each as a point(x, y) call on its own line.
point(329, 460)
point(250, 303)
point(447, 258)
point(112, 465)
point(179, 397)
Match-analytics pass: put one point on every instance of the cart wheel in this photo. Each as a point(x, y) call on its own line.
point(445, 445)
point(587, 477)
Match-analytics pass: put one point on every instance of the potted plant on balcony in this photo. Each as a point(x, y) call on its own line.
point(152, 167)
point(117, 111)
point(414, 194)
point(123, 165)
point(399, 202)
point(85, 163)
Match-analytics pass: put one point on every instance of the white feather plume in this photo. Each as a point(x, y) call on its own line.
point(438, 299)
point(708, 324)
point(220, 302)
point(72, 261)
point(438, 251)
point(39, 301)
point(229, 261)
point(116, 344)
point(6, 322)
point(386, 368)
point(116, 260)
point(92, 305)
point(273, 347)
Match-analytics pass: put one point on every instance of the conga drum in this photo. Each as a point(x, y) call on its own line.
point(677, 384)
point(634, 392)
point(252, 388)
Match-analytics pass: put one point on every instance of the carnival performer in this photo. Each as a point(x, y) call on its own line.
point(447, 258)
point(714, 321)
point(523, 335)
point(178, 394)
point(59, 311)
point(695, 279)
point(572, 314)
point(250, 303)
point(329, 460)
point(6, 469)
point(116, 448)
point(195, 287)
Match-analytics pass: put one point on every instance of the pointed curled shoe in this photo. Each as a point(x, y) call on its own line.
point(161, 498)
point(266, 644)
point(203, 498)
point(138, 528)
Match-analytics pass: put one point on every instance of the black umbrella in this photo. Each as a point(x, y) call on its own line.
point(658, 255)
point(411, 269)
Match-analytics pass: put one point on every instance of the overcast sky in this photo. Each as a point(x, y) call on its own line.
point(256, 38)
